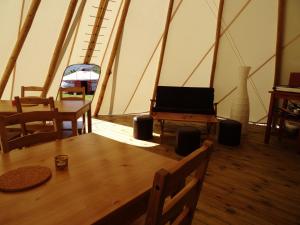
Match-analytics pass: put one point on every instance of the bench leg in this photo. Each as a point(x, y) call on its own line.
point(211, 129)
point(162, 124)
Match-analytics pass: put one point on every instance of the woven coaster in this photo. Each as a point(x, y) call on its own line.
point(24, 178)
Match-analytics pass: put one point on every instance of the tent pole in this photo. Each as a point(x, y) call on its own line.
point(279, 41)
point(163, 47)
point(112, 56)
point(19, 44)
point(217, 41)
point(96, 29)
point(58, 47)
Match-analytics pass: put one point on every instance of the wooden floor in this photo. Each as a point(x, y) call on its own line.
point(254, 183)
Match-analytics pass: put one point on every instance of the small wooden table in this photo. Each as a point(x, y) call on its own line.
point(107, 182)
point(277, 95)
point(68, 111)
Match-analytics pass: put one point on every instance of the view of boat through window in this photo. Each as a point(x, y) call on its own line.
point(81, 75)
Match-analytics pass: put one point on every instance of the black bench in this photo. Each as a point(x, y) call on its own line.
point(191, 104)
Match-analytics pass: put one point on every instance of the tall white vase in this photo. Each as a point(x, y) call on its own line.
point(240, 105)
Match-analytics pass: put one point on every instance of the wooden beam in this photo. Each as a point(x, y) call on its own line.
point(19, 44)
point(96, 29)
point(217, 41)
point(58, 47)
point(279, 41)
point(112, 56)
point(164, 42)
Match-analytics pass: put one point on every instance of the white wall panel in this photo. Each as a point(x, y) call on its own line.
point(249, 41)
point(10, 12)
point(291, 53)
point(143, 28)
point(191, 35)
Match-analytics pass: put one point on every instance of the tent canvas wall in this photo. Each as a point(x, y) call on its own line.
point(248, 36)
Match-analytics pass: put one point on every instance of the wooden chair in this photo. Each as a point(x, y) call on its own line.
point(79, 91)
point(186, 178)
point(30, 89)
point(79, 96)
point(22, 104)
point(29, 138)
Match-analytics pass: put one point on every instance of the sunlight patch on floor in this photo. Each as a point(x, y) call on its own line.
point(119, 133)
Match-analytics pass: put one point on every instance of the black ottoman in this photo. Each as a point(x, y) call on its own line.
point(229, 132)
point(142, 127)
point(187, 140)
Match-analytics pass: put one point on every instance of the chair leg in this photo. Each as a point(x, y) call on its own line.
point(281, 128)
point(83, 124)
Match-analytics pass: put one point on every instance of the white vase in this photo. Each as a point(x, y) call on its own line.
point(240, 106)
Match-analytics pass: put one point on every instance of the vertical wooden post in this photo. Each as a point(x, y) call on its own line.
point(163, 47)
point(217, 41)
point(112, 56)
point(19, 44)
point(58, 46)
point(279, 41)
point(96, 29)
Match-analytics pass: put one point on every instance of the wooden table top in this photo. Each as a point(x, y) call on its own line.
point(103, 176)
point(65, 106)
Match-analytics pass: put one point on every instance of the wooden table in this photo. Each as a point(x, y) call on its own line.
point(277, 95)
point(68, 111)
point(107, 182)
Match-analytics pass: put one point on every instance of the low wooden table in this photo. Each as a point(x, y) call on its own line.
point(277, 95)
point(107, 182)
point(68, 111)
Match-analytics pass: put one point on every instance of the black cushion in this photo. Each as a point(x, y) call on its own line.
point(187, 140)
point(184, 100)
point(142, 127)
point(229, 132)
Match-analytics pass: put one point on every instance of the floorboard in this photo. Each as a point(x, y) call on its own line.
point(254, 183)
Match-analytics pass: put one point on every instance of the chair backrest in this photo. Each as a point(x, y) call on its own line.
point(184, 100)
point(28, 139)
point(79, 91)
point(24, 103)
point(33, 101)
point(186, 179)
point(31, 89)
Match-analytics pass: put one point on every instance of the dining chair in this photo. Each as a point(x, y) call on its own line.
point(29, 138)
point(25, 89)
point(73, 94)
point(186, 178)
point(25, 103)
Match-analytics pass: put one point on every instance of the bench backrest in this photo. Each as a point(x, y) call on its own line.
point(198, 100)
